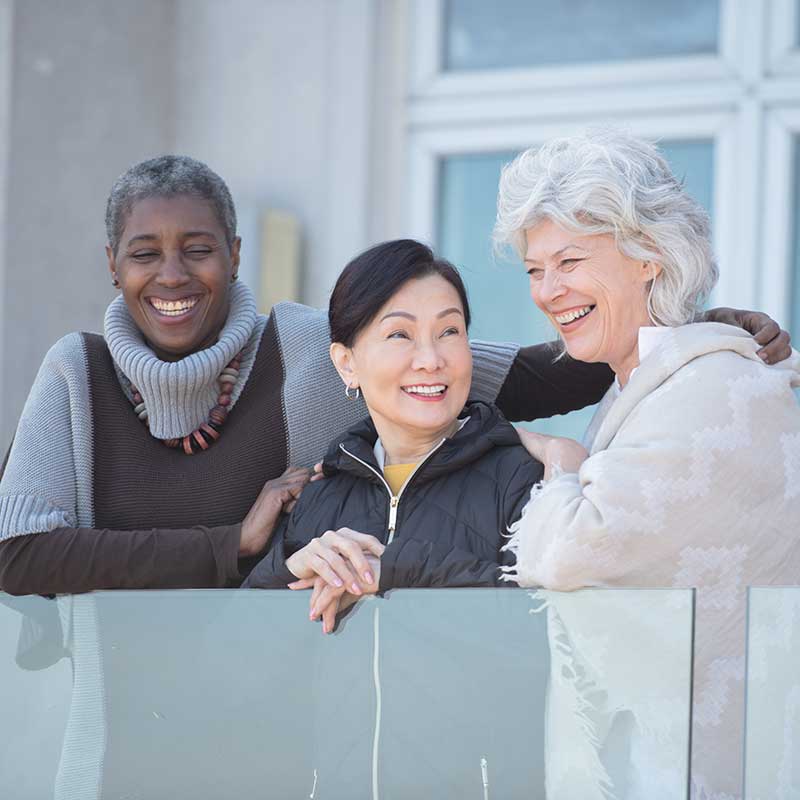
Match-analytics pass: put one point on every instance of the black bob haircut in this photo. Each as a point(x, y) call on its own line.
point(370, 280)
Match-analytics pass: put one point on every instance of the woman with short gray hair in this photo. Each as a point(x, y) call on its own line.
point(687, 477)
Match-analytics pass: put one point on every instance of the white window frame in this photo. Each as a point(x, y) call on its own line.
point(429, 79)
point(778, 219)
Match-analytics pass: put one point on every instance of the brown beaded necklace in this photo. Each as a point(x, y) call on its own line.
point(208, 433)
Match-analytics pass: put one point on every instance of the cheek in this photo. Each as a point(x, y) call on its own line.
point(534, 290)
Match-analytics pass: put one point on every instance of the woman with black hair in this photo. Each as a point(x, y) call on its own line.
point(421, 493)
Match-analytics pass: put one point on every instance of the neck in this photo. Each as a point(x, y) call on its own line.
point(410, 447)
point(628, 362)
point(623, 368)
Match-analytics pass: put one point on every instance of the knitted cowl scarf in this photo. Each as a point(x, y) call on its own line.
point(179, 394)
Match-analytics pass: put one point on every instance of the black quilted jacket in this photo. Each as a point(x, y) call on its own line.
point(445, 527)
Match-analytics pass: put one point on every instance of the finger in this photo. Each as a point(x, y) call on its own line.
point(290, 472)
point(325, 595)
point(289, 507)
point(313, 603)
point(329, 616)
point(316, 472)
point(355, 555)
point(329, 565)
point(303, 583)
point(778, 349)
point(365, 540)
point(767, 332)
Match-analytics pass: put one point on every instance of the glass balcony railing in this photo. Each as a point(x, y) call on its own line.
point(772, 730)
point(458, 693)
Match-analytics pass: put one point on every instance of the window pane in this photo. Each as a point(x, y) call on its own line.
point(498, 289)
point(533, 33)
point(795, 287)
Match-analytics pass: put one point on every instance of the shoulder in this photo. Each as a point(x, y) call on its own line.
point(65, 363)
point(296, 319)
point(512, 465)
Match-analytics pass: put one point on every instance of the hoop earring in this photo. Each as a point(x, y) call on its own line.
point(353, 396)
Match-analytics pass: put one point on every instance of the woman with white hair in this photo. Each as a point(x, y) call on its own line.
point(689, 474)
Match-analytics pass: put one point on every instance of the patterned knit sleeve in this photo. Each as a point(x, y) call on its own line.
point(706, 464)
point(40, 488)
point(491, 362)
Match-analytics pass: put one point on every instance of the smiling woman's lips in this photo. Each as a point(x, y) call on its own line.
point(426, 393)
point(574, 323)
point(173, 311)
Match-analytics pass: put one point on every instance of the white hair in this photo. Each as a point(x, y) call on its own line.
point(607, 181)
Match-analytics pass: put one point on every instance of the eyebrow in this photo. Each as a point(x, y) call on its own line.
point(558, 253)
point(152, 237)
point(406, 315)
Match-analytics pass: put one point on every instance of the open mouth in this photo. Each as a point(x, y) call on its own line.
point(420, 391)
point(571, 318)
point(173, 308)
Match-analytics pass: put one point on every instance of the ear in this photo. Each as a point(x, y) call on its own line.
point(650, 271)
point(236, 247)
point(344, 362)
point(112, 262)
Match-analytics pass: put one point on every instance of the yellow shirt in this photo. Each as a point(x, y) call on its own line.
point(396, 475)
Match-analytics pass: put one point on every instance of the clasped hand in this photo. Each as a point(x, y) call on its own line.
point(340, 566)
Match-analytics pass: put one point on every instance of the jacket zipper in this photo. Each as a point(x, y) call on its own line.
point(394, 500)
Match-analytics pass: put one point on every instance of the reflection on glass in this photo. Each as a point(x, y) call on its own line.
point(498, 288)
point(772, 756)
point(532, 33)
point(430, 693)
point(795, 279)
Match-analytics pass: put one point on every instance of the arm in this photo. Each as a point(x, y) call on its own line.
point(69, 560)
point(539, 384)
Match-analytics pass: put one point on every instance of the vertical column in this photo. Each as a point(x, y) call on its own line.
point(6, 24)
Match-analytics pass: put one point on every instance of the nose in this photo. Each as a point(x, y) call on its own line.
point(549, 288)
point(427, 356)
point(173, 272)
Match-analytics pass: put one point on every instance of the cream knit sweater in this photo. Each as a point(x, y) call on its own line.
point(693, 481)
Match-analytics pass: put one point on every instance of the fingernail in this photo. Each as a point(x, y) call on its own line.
point(368, 576)
point(312, 614)
point(762, 355)
point(337, 582)
point(355, 588)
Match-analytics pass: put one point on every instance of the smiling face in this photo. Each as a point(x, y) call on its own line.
point(413, 364)
point(595, 296)
point(175, 268)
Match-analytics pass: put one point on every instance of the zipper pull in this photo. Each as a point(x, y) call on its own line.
point(393, 503)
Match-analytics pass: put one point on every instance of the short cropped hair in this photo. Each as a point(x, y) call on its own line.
point(607, 181)
point(370, 280)
point(168, 176)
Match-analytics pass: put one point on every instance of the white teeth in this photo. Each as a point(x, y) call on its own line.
point(438, 389)
point(563, 319)
point(173, 308)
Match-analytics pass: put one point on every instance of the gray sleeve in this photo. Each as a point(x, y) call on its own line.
point(491, 362)
point(47, 480)
point(316, 408)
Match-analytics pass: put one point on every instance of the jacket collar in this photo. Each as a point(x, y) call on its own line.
point(353, 452)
